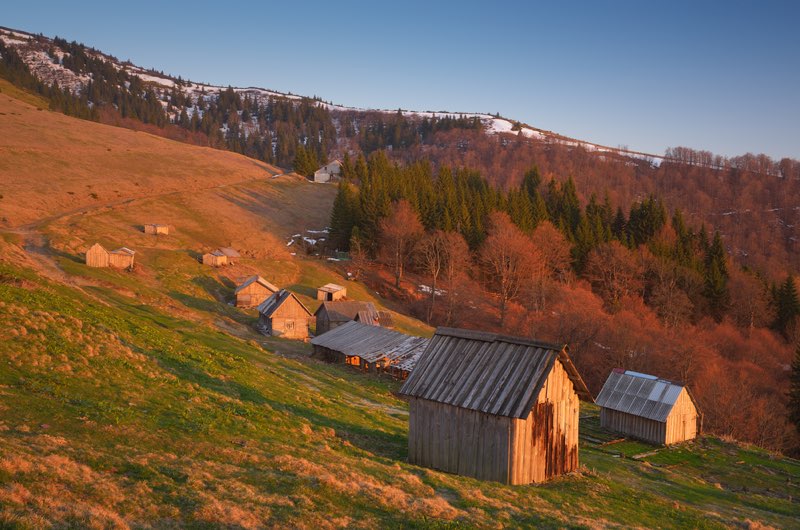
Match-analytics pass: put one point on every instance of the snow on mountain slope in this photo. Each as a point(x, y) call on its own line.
point(44, 60)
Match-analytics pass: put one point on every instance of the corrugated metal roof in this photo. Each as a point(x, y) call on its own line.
point(345, 310)
point(371, 343)
point(639, 394)
point(258, 279)
point(123, 250)
point(271, 304)
point(486, 372)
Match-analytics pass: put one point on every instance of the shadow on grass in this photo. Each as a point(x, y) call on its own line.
point(304, 290)
point(372, 440)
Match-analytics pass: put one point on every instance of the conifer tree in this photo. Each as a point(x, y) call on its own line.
point(794, 391)
point(716, 278)
point(787, 306)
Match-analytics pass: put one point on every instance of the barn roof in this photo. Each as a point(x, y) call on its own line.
point(639, 394)
point(228, 251)
point(371, 343)
point(271, 304)
point(257, 279)
point(487, 372)
point(217, 253)
point(331, 288)
point(346, 310)
point(123, 250)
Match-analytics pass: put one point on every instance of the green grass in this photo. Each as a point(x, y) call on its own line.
point(114, 411)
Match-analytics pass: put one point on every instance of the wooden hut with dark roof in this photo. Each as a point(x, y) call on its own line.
point(332, 314)
point(284, 315)
point(645, 407)
point(371, 348)
point(215, 259)
point(253, 290)
point(494, 407)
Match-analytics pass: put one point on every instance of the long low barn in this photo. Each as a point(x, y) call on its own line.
point(370, 347)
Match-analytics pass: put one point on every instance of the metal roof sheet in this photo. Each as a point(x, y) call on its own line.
point(639, 394)
point(487, 372)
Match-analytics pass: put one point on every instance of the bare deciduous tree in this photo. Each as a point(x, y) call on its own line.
point(399, 233)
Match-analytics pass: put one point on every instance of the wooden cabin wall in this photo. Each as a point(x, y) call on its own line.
point(97, 257)
point(545, 444)
point(121, 261)
point(459, 440)
point(252, 295)
point(290, 320)
point(634, 426)
point(682, 420)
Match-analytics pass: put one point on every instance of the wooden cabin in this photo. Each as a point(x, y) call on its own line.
point(283, 315)
point(156, 229)
point(215, 259)
point(332, 314)
point(254, 290)
point(98, 256)
point(648, 408)
point(331, 292)
point(371, 348)
point(329, 172)
point(494, 407)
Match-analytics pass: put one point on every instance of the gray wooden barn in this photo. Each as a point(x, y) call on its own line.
point(283, 315)
point(648, 408)
point(371, 348)
point(494, 407)
point(332, 314)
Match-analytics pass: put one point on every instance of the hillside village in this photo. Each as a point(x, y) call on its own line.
point(206, 373)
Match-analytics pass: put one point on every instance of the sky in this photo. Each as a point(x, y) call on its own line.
point(720, 76)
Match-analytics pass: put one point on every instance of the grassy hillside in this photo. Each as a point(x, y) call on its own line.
point(144, 399)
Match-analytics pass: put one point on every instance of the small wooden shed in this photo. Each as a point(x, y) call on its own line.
point(494, 407)
point(156, 229)
point(330, 292)
point(98, 256)
point(371, 348)
point(283, 315)
point(231, 254)
point(215, 259)
point(645, 407)
point(121, 258)
point(332, 314)
point(253, 290)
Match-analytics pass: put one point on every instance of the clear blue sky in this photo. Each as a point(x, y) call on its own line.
point(722, 76)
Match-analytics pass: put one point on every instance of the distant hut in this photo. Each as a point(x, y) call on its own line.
point(231, 254)
point(121, 258)
point(215, 259)
point(330, 292)
point(97, 256)
point(283, 315)
point(648, 408)
point(371, 348)
point(329, 172)
point(494, 407)
point(332, 314)
point(156, 229)
point(252, 291)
